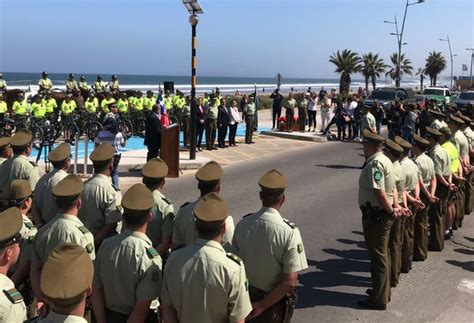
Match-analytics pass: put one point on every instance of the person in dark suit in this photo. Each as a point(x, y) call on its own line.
point(153, 130)
point(223, 121)
point(200, 118)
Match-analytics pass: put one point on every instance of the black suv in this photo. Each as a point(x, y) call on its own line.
point(387, 95)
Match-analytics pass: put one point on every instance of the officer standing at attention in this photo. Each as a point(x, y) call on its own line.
point(248, 114)
point(68, 106)
point(18, 167)
point(20, 197)
point(128, 270)
point(376, 195)
point(395, 241)
point(12, 307)
point(45, 83)
point(38, 108)
point(427, 189)
point(442, 167)
point(44, 204)
point(160, 228)
point(211, 124)
point(289, 106)
point(66, 280)
point(368, 119)
point(184, 232)
point(6, 151)
point(65, 227)
point(201, 282)
point(101, 209)
point(273, 253)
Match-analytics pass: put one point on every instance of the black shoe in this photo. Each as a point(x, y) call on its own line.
point(447, 236)
point(371, 305)
point(451, 232)
point(252, 142)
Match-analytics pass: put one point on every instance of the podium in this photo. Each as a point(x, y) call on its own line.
point(169, 150)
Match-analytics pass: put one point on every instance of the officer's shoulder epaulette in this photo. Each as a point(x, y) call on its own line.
point(32, 163)
point(13, 295)
point(247, 215)
point(166, 200)
point(184, 204)
point(291, 224)
point(83, 229)
point(234, 258)
point(151, 253)
point(115, 188)
point(89, 248)
point(29, 225)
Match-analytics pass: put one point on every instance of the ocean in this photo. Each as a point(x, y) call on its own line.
point(205, 83)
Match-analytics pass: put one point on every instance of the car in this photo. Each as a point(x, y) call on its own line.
point(465, 101)
point(387, 95)
point(440, 94)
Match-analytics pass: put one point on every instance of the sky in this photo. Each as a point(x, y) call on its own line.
point(239, 38)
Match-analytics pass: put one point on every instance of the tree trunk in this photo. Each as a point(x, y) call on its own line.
point(421, 82)
point(373, 82)
point(434, 80)
point(345, 83)
point(366, 83)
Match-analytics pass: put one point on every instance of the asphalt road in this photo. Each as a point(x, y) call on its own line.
point(322, 201)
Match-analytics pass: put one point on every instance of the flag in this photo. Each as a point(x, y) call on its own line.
point(464, 67)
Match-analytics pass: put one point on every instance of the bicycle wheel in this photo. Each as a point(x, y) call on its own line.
point(140, 126)
point(36, 136)
point(70, 132)
point(126, 128)
point(93, 129)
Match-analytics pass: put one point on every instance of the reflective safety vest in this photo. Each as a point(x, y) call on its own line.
point(83, 85)
point(3, 107)
point(45, 83)
point(168, 102)
point(453, 155)
point(3, 84)
point(149, 102)
point(99, 86)
point(68, 108)
point(114, 85)
point(38, 110)
point(122, 105)
point(91, 105)
point(71, 85)
point(20, 108)
point(105, 104)
point(50, 105)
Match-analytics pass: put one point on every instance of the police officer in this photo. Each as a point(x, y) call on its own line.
point(101, 209)
point(427, 196)
point(45, 83)
point(376, 194)
point(20, 197)
point(393, 151)
point(3, 105)
point(437, 212)
point(122, 103)
point(18, 167)
point(128, 270)
point(211, 124)
point(12, 307)
point(44, 205)
point(368, 119)
point(186, 119)
point(20, 107)
point(203, 283)
point(92, 103)
point(273, 253)
point(437, 119)
point(303, 111)
point(248, 114)
point(6, 151)
point(50, 103)
point(466, 130)
point(66, 280)
point(184, 232)
point(289, 106)
point(38, 108)
point(114, 85)
point(160, 229)
point(83, 86)
point(71, 85)
point(3, 83)
point(68, 106)
point(99, 85)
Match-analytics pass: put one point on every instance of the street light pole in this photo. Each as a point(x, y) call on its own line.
point(472, 59)
point(451, 58)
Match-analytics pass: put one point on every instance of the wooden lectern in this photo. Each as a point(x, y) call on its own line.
point(169, 151)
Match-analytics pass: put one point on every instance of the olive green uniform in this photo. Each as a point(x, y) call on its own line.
point(28, 232)
point(11, 310)
point(462, 145)
point(44, 198)
point(368, 122)
point(100, 203)
point(184, 231)
point(130, 271)
point(437, 212)
point(302, 114)
point(290, 105)
point(63, 228)
point(249, 115)
point(18, 167)
point(2, 160)
point(161, 225)
point(420, 240)
point(377, 174)
point(211, 126)
point(412, 174)
point(395, 242)
point(203, 283)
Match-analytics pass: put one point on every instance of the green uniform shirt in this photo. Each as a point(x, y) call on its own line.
point(269, 247)
point(441, 161)
point(168, 102)
point(249, 109)
point(68, 107)
point(43, 197)
point(204, 284)
point(368, 122)
point(411, 173)
point(399, 180)
point(100, 203)
point(149, 102)
point(469, 135)
point(377, 174)
point(463, 143)
point(161, 226)
point(18, 167)
point(137, 103)
point(50, 105)
point(38, 110)
point(28, 232)
point(63, 228)
point(3, 107)
point(10, 311)
point(91, 105)
point(130, 271)
point(290, 104)
point(84, 86)
point(122, 105)
point(105, 104)
point(20, 108)
point(99, 86)
point(45, 84)
point(114, 85)
point(453, 156)
point(426, 167)
point(212, 112)
point(72, 85)
point(184, 230)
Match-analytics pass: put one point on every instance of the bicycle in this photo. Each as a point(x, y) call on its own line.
point(124, 125)
point(69, 128)
point(7, 126)
point(88, 124)
point(138, 122)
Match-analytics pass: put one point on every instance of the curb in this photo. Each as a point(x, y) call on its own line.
point(295, 136)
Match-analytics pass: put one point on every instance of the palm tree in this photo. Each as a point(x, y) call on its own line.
point(347, 62)
point(405, 67)
point(421, 72)
point(372, 66)
point(435, 64)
